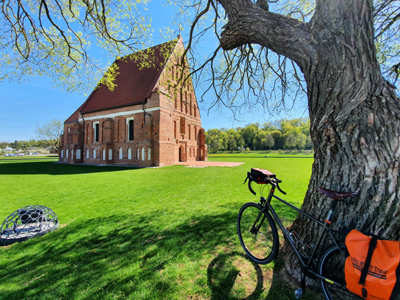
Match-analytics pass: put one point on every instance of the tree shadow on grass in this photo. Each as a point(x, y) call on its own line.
point(130, 256)
point(123, 256)
point(51, 168)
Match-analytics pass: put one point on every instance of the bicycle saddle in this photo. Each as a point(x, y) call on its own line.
point(337, 195)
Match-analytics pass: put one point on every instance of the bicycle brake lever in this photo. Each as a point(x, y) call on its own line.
point(251, 190)
point(277, 185)
point(249, 183)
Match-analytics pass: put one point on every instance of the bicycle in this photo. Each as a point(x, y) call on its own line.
point(258, 236)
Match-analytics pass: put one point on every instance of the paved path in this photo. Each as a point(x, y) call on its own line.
point(203, 164)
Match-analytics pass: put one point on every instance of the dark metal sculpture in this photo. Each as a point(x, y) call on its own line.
point(26, 223)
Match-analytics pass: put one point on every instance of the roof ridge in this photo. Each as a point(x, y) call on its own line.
point(135, 81)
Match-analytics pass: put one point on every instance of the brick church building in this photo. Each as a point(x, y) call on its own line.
point(147, 120)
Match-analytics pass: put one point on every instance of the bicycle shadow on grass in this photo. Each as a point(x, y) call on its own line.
point(234, 276)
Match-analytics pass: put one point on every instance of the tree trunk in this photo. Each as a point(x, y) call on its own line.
point(354, 112)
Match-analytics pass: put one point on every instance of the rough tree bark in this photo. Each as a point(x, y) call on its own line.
point(354, 112)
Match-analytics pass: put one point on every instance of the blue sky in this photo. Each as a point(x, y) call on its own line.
point(35, 102)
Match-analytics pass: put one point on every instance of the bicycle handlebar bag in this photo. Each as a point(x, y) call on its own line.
point(261, 176)
point(372, 268)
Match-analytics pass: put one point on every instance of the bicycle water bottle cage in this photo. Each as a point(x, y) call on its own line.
point(337, 195)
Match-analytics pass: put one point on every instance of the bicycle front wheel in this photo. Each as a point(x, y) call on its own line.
point(257, 233)
point(331, 266)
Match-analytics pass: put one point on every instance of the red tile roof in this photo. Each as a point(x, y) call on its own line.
point(134, 84)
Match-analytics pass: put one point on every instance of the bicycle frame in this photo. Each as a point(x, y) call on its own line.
point(305, 265)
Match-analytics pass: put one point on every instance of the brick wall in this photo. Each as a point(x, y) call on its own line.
point(156, 126)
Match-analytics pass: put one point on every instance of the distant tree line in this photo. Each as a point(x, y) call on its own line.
point(48, 137)
point(26, 145)
point(282, 134)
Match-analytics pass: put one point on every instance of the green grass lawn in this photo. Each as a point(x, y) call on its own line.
point(265, 154)
point(155, 233)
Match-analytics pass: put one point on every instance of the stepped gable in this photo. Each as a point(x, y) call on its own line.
point(134, 84)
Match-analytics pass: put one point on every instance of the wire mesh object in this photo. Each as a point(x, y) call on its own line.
point(26, 223)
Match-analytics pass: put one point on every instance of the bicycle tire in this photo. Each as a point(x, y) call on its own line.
point(260, 242)
point(331, 266)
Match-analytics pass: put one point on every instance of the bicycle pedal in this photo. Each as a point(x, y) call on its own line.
point(298, 293)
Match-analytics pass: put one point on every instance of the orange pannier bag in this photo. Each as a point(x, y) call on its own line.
point(372, 268)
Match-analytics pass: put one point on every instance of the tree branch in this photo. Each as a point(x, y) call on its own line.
point(250, 24)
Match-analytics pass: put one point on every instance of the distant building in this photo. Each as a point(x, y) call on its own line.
point(145, 121)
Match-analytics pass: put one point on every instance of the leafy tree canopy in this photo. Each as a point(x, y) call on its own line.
point(53, 38)
point(51, 132)
point(284, 134)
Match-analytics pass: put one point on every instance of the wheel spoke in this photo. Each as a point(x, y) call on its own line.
point(262, 238)
point(332, 267)
point(257, 233)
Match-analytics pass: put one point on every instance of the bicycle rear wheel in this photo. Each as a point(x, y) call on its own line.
point(257, 233)
point(331, 266)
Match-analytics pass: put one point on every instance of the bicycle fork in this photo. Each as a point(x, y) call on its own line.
point(255, 229)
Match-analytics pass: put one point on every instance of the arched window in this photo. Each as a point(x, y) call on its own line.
point(149, 154)
point(137, 154)
point(109, 154)
point(62, 153)
point(66, 153)
point(129, 153)
point(87, 153)
point(129, 128)
point(96, 131)
point(72, 154)
point(143, 153)
point(104, 154)
point(78, 154)
point(94, 153)
point(120, 153)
